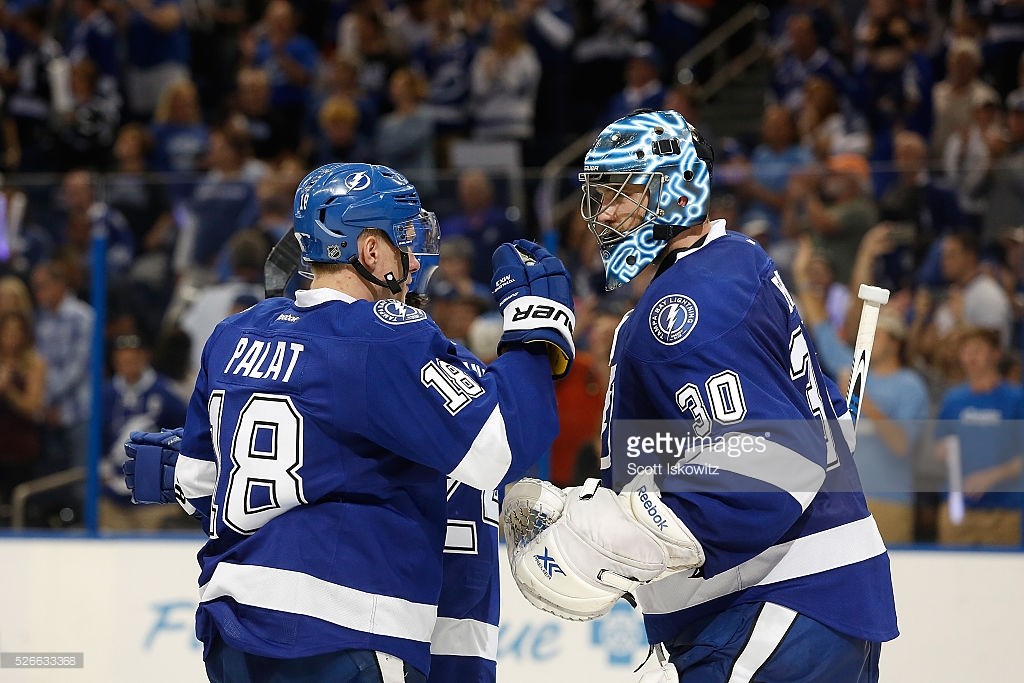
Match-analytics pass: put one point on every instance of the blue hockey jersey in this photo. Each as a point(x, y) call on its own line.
point(317, 441)
point(716, 343)
point(464, 645)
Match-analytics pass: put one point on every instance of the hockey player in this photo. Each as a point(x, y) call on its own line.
point(321, 430)
point(758, 560)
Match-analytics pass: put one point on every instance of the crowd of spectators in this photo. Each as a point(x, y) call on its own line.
point(890, 151)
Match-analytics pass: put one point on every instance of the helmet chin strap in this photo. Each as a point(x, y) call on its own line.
point(394, 285)
point(670, 232)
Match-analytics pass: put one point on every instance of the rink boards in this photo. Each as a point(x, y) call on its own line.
point(127, 605)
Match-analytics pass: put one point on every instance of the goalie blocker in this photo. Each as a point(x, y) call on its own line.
point(575, 552)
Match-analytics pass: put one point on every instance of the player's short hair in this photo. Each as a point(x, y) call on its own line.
point(318, 268)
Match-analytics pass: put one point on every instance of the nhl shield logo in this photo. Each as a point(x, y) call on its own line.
point(333, 251)
point(673, 318)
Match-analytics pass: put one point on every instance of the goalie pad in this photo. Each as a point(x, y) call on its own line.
point(587, 556)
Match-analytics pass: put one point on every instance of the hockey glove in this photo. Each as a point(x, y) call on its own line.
point(534, 295)
point(594, 546)
point(149, 470)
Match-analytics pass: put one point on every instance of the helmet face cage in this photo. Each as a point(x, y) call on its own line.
point(601, 190)
point(661, 153)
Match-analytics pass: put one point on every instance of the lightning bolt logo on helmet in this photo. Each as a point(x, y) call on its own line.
point(357, 181)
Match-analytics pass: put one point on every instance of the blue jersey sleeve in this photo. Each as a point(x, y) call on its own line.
point(195, 472)
point(482, 425)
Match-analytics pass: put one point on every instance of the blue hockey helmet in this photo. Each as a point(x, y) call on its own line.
point(657, 161)
point(336, 202)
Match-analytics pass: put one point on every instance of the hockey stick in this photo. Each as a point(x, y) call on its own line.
point(281, 265)
point(874, 298)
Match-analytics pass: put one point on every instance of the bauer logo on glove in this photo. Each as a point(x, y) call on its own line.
point(559, 316)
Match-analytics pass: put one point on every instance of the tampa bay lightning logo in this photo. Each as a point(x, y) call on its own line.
point(396, 313)
point(673, 319)
point(360, 180)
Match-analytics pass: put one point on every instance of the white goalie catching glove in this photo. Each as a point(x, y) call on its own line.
point(574, 553)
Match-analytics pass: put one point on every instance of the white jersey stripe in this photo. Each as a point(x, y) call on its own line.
point(830, 549)
point(488, 459)
point(464, 638)
point(298, 593)
point(779, 466)
point(392, 669)
point(196, 478)
point(773, 622)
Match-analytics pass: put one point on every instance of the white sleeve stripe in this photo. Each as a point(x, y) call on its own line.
point(464, 638)
point(826, 550)
point(196, 478)
point(772, 625)
point(489, 458)
point(779, 466)
point(298, 593)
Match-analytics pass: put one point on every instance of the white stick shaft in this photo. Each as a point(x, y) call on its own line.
point(866, 329)
point(874, 298)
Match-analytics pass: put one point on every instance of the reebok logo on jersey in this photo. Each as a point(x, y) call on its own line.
point(673, 319)
point(396, 313)
point(288, 318)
